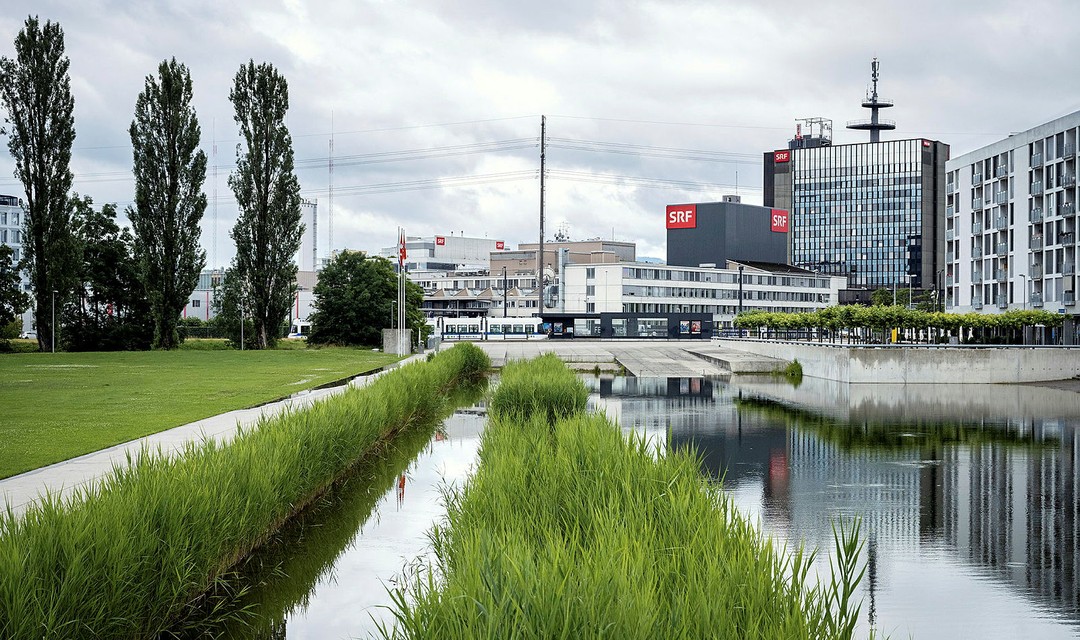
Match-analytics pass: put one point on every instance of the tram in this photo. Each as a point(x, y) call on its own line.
point(489, 328)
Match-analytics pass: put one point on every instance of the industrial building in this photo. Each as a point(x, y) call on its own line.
point(717, 232)
point(1011, 222)
point(873, 212)
point(445, 252)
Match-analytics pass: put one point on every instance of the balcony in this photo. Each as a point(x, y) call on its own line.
point(1036, 160)
point(1002, 302)
point(976, 276)
point(1002, 248)
point(1036, 187)
point(1002, 275)
point(1036, 300)
point(1068, 181)
point(1067, 237)
point(949, 280)
point(1068, 208)
point(1035, 243)
point(950, 211)
point(1001, 197)
point(1036, 215)
point(1069, 269)
point(1001, 223)
point(976, 228)
point(976, 251)
point(950, 234)
point(1001, 170)
point(950, 257)
point(1069, 298)
point(950, 187)
point(976, 304)
point(976, 204)
point(1036, 271)
point(976, 178)
point(1069, 150)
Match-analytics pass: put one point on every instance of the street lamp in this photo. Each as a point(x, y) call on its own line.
point(54, 321)
point(504, 291)
point(1024, 276)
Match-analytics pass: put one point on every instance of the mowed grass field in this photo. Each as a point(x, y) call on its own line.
point(58, 406)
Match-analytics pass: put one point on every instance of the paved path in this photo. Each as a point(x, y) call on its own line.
point(62, 478)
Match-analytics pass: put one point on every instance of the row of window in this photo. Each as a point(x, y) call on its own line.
point(10, 218)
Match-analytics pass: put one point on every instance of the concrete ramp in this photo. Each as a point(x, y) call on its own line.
point(658, 360)
point(737, 361)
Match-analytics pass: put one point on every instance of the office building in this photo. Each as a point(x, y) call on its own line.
point(873, 211)
point(12, 219)
point(445, 252)
point(716, 232)
point(1011, 225)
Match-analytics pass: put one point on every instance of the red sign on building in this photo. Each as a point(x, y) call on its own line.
point(500, 245)
point(681, 216)
point(779, 221)
point(781, 156)
point(440, 241)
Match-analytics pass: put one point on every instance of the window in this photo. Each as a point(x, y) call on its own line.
point(196, 303)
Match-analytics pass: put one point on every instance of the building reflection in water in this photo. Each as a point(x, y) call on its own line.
point(985, 473)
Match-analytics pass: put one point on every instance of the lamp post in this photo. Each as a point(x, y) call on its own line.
point(1024, 276)
point(939, 287)
point(504, 291)
point(54, 321)
point(241, 324)
point(740, 290)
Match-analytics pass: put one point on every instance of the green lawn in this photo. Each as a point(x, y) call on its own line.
point(58, 406)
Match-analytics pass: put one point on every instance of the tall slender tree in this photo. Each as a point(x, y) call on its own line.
point(169, 201)
point(267, 233)
point(35, 89)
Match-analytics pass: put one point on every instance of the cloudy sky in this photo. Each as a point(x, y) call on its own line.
point(434, 107)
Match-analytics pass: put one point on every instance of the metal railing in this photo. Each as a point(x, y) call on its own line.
point(976, 251)
point(1068, 181)
point(1036, 160)
point(1036, 271)
point(1002, 248)
point(950, 256)
point(976, 203)
point(1068, 208)
point(1001, 170)
point(1002, 302)
point(976, 304)
point(1036, 187)
point(1036, 242)
point(1001, 197)
point(1001, 223)
point(1036, 215)
point(950, 187)
point(976, 227)
point(1036, 300)
point(976, 178)
point(976, 276)
point(1002, 275)
point(950, 234)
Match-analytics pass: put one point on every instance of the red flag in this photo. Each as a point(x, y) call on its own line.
point(401, 249)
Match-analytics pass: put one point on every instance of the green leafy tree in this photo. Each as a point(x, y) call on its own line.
point(355, 299)
point(169, 172)
point(109, 309)
point(230, 301)
point(267, 233)
point(35, 89)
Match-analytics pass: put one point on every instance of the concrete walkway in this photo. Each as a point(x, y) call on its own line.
point(19, 492)
point(642, 358)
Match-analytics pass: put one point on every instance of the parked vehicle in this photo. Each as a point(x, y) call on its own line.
point(28, 335)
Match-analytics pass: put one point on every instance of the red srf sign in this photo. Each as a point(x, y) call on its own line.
point(681, 216)
point(440, 241)
point(500, 245)
point(779, 221)
point(781, 156)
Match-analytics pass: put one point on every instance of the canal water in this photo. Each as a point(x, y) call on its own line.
point(967, 494)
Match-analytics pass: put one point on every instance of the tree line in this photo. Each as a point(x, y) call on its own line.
point(126, 289)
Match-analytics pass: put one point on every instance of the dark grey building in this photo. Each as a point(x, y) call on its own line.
point(716, 232)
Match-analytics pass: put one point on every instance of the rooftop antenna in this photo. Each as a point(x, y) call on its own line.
point(874, 125)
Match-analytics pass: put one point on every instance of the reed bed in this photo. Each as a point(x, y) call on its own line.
point(126, 557)
point(568, 529)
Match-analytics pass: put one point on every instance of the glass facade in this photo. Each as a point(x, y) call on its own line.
point(857, 211)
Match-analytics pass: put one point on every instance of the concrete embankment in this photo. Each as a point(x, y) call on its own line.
point(908, 364)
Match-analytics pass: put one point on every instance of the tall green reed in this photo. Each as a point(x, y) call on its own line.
point(568, 529)
point(125, 557)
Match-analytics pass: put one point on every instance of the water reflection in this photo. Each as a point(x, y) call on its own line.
point(325, 574)
point(968, 492)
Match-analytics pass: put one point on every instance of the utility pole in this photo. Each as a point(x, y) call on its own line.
point(504, 292)
point(540, 253)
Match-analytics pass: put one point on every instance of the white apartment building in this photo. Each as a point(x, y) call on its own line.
point(650, 288)
point(1011, 222)
point(12, 218)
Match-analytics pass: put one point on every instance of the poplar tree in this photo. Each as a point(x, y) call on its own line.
point(35, 89)
point(169, 173)
point(267, 232)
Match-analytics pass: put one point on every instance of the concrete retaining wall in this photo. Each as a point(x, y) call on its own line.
point(921, 365)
